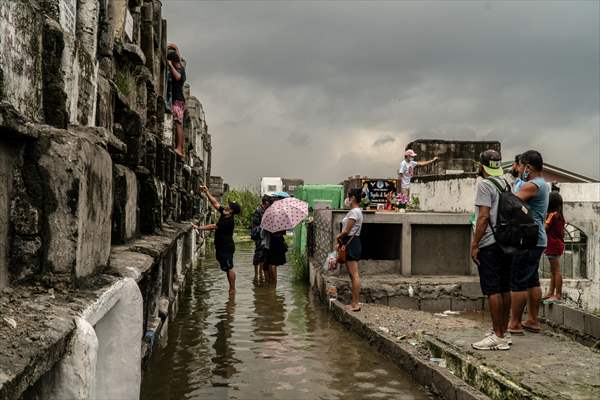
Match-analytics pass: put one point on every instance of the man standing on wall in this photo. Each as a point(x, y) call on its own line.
point(177, 72)
point(494, 266)
point(406, 171)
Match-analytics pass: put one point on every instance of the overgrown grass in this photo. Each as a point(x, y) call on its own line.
point(300, 266)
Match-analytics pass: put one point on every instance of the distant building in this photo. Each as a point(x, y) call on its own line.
point(552, 173)
point(290, 184)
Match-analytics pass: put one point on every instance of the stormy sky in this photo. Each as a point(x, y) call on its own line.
point(325, 90)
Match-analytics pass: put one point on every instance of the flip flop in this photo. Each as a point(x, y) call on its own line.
point(551, 302)
point(530, 328)
point(516, 332)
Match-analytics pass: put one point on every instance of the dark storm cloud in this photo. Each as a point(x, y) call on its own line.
point(384, 140)
point(314, 85)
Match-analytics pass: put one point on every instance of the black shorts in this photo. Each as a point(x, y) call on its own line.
point(525, 267)
point(225, 259)
point(353, 248)
point(494, 270)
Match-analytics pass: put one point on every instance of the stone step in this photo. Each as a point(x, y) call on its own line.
point(426, 293)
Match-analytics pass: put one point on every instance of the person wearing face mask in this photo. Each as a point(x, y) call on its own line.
point(525, 282)
point(493, 265)
point(224, 244)
point(406, 171)
point(512, 176)
point(350, 237)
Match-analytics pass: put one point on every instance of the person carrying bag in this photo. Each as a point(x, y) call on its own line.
point(348, 244)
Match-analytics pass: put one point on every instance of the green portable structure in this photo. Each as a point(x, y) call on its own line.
point(332, 194)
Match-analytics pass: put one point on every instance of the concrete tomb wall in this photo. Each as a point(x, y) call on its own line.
point(441, 250)
point(91, 185)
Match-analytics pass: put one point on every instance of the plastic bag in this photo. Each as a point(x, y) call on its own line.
point(330, 262)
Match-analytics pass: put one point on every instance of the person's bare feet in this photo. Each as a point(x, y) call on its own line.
point(531, 326)
point(355, 308)
point(515, 329)
point(547, 296)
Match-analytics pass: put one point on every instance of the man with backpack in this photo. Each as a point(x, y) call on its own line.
point(493, 263)
point(525, 283)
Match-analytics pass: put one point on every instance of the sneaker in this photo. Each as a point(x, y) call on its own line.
point(491, 342)
point(507, 336)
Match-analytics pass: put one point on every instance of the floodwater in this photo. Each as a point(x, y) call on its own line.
point(265, 343)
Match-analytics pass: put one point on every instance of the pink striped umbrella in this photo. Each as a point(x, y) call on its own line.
point(284, 214)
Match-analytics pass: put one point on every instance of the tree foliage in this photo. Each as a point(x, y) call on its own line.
point(248, 201)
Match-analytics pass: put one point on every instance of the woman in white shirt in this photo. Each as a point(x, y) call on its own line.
point(350, 237)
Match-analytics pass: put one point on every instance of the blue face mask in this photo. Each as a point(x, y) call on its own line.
point(525, 175)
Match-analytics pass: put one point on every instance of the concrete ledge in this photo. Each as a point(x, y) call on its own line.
point(430, 293)
point(45, 321)
point(578, 324)
point(136, 258)
point(413, 359)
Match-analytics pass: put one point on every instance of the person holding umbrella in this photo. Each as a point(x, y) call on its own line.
point(224, 244)
point(278, 218)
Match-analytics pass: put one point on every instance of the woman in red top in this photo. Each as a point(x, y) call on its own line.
point(555, 230)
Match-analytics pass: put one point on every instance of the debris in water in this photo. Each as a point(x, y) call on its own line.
point(439, 361)
point(11, 322)
point(440, 315)
point(384, 329)
point(449, 312)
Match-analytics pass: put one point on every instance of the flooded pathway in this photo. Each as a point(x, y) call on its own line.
point(265, 343)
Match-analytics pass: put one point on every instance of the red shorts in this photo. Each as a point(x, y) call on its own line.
point(178, 108)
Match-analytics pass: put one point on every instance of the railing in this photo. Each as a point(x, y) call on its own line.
point(573, 262)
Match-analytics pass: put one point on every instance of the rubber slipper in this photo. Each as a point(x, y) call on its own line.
point(551, 302)
point(531, 328)
point(516, 332)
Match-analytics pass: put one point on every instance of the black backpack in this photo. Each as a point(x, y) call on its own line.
point(515, 231)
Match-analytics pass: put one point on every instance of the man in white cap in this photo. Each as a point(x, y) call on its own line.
point(405, 173)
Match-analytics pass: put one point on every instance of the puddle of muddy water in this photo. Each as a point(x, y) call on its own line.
point(265, 343)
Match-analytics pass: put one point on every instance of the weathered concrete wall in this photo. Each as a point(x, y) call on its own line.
point(75, 178)
point(90, 186)
point(582, 209)
point(7, 161)
point(449, 195)
point(21, 25)
point(453, 155)
point(441, 250)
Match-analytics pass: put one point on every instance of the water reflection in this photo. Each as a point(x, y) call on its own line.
point(224, 359)
point(264, 343)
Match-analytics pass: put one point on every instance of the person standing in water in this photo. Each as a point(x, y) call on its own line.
point(350, 238)
point(224, 244)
